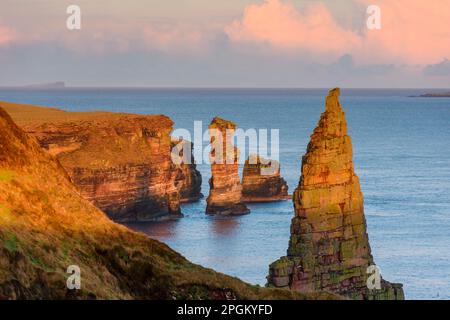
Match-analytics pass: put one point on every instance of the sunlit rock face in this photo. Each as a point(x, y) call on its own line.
point(122, 165)
point(120, 162)
point(261, 181)
point(225, 194)
point(329, 247)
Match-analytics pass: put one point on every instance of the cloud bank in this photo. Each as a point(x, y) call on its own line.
point(413, 31)
point(267, 43)
point(281, 25)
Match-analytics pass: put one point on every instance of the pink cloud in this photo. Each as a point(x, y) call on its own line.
point(413, 31)
point(6, 35)
point(176, 38)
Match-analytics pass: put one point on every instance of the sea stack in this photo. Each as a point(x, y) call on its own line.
point(225, 192)
point(261, 181)
point(329, 247)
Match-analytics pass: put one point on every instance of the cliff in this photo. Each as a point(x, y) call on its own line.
point(329, 247)
point(46, 226)
point(261, 181)
point(120, 162)
point(225, 192)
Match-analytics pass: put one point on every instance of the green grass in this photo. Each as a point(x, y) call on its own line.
point(11, 242)
point(6, 176)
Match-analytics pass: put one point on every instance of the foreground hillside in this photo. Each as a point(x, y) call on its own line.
point(46, 226)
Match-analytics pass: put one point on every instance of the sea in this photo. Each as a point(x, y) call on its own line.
point(401, 147)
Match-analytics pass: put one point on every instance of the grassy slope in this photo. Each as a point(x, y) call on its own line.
point(45, 226)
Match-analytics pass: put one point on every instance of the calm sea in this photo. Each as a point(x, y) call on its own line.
point(401, 153)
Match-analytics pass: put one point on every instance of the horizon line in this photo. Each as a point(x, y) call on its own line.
point(44, 87)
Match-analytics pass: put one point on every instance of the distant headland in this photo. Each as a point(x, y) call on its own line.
point(49, 85)
point(434, 95)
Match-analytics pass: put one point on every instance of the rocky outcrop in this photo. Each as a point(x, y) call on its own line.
point(261, 181)
point(188, 180)
point(46, 226)
point(329, 247)
point(225, 192)
point(120, 162)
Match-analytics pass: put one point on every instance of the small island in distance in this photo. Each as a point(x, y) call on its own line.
point(434, 95)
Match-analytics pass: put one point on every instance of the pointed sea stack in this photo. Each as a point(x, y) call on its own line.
point(225, 192)
point(329, 247)
point(262, 182)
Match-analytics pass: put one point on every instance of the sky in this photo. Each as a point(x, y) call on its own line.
point(233, 43)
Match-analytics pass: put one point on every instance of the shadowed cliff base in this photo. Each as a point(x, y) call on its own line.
point(46, 226)
point(120, 162)
point(329, 246)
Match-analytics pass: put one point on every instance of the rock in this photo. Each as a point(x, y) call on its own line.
point(120, 162)
point(46, 226)
point(262, 182)
point(329, 247)
point(188, 179)
point(225, 193)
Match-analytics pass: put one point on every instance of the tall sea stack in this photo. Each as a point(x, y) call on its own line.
point(225, 192)
point(329, 247)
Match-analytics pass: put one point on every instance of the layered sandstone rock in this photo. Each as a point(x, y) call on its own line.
point(329, 247)
point(120, 162)
point(261, 181)
point(225, 193)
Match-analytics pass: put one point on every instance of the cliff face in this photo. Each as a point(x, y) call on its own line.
point(46, 226)
point(120, 162)
point(262, 182)
point(329, 247)
point(225, 193)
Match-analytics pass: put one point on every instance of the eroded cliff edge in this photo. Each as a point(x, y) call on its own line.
point(120, 162)
point(329, 247)
point(46, 226)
